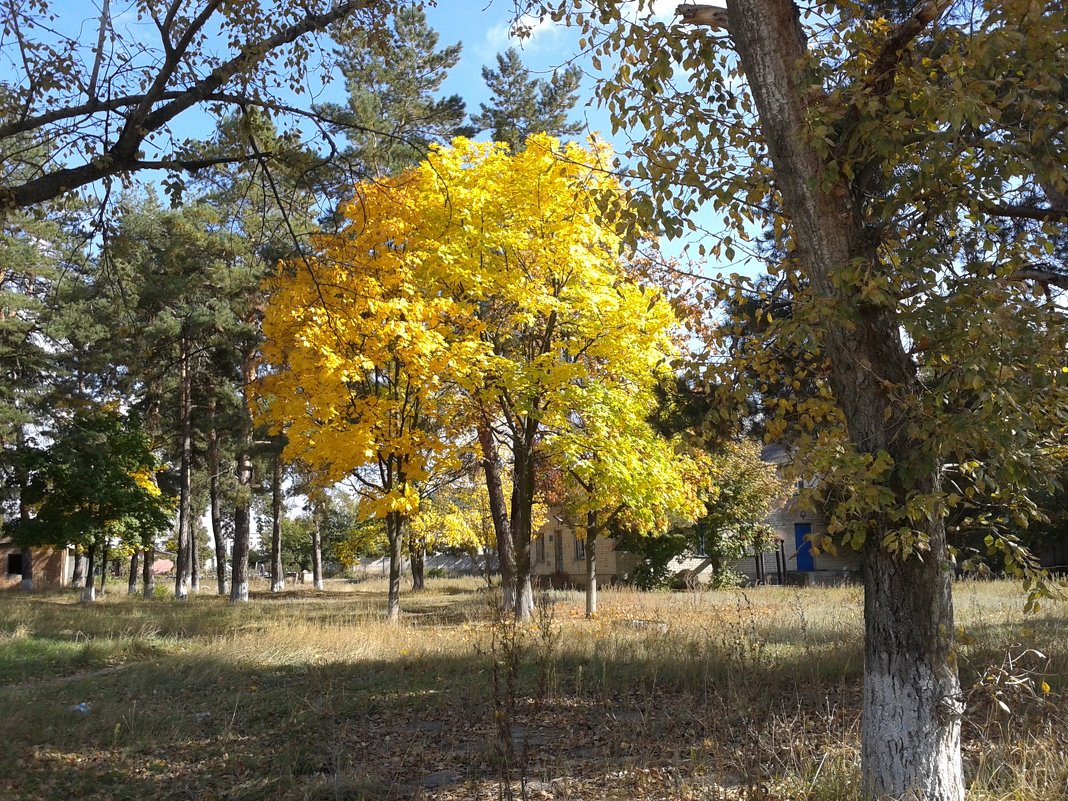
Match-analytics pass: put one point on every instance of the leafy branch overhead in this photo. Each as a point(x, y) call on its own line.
point(110, 109)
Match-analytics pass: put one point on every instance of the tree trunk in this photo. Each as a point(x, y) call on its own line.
point(243, 506)
point(26, 584)
point(317, 557)
point(148, 575)
point(491, 465)
point(395, 535)
point(89, 593)
point(591, 565)
point(911, 725)
point(104, 566)
point(417, 558)
point(522, 506)
point(184, 561)
point(194, 561)
point(131, 585)
point(214, 478)
point(78, 577)
point(278, 577)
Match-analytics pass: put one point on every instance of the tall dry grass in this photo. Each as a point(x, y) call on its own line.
point(716, 694)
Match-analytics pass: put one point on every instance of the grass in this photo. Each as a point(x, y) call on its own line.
point(709, 695)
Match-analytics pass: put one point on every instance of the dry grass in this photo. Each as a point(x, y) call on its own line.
point(708, 695)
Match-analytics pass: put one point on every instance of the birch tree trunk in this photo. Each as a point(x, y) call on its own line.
point(911, 719)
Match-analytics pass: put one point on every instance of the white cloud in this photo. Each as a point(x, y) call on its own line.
point(526, 32)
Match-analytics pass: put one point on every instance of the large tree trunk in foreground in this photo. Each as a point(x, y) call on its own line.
point(491, 465)
point(911, 725)
point(278, 576)
point(184, 561)
point(214, 477)
point(395, 535)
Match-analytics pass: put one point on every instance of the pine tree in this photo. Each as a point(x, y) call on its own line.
point(523, 105)
point(394, 111)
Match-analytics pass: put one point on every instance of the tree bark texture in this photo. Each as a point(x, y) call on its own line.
point(214, 478)
point(194, 561)
point(131, 585)
point(148, 575)
point(78, 578)
point(521, 520)
point(491, 465)
point(417, 558)
point(278, 576)
point(89, 591)
point(104, 567)
point(317, 557)
point(184, 561)
point(26, 583)
point(395, 535)
point(911, 721)
point(243, 506)
point(591, 565)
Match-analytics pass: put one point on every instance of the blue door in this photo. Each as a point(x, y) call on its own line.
point(804, 547)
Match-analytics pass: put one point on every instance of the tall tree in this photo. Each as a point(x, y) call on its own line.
point(394, 112)
point(885, 150)
point(111, 114)
point(522, 105)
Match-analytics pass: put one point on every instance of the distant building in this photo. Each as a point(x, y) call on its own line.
point(558, 556)
point(52, 567)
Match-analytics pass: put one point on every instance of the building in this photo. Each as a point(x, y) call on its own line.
point(51, 567)
point(559, 557)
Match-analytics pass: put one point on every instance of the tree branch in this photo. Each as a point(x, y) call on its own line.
point(122, 156)
point(1021, 212)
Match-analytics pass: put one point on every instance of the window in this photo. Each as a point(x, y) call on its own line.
point(580, 549)
point(540, 548)
point(14, 564)
point(700, 550)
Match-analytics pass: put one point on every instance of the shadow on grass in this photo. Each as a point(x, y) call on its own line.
point(174, 717)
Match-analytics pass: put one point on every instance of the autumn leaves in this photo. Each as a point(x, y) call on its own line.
point(479, 288)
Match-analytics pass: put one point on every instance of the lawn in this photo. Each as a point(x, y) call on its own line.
point(709, 695)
